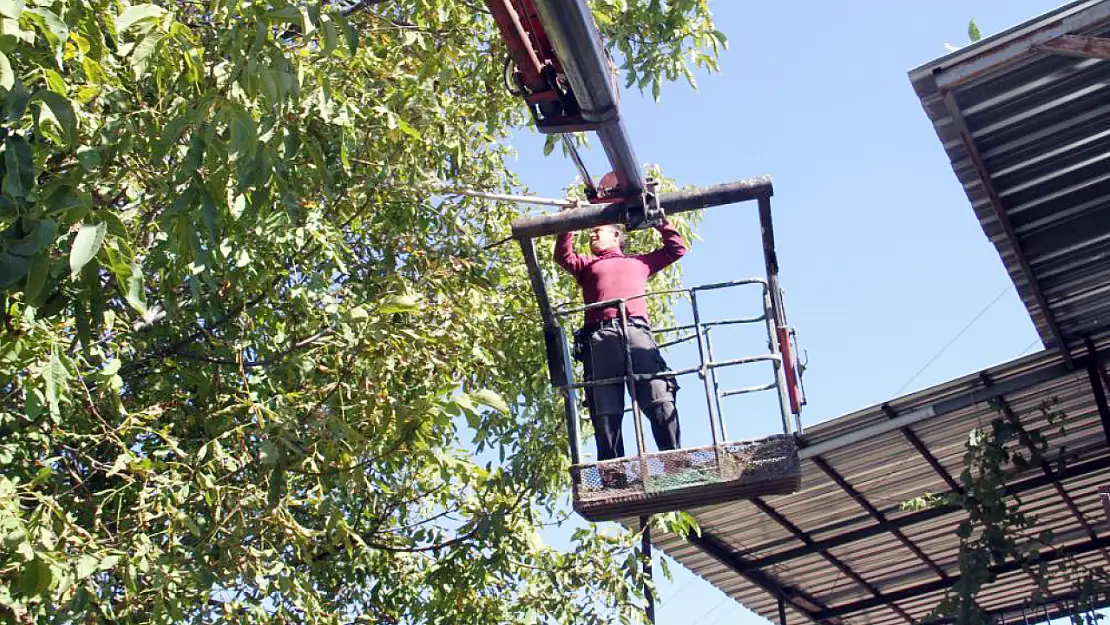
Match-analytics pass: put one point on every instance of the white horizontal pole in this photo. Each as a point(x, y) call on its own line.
point(520, 199)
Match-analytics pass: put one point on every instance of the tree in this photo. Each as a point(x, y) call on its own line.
point(997, 530)
point(254, 368)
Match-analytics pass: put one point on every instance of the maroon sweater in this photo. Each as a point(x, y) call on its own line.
point(613, 275)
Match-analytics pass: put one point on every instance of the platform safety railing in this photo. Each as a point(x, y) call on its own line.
point(700, 331)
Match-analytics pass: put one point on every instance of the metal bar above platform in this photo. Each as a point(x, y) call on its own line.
point(676, 202)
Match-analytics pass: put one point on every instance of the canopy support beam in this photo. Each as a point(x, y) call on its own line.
point(1080, 46)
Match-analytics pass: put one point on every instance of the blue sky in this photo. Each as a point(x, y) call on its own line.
point(881, 257)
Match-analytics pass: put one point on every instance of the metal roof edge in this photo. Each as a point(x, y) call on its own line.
point(940, 84)
point(929, 401)
point(989, 44)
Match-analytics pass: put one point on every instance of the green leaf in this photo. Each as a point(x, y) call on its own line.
point(36, 278)
point(170, 134)
point(11, 8)
point(973, 31)
point(490, 398)
point(74, 203)
point(89, 158)
point(15, 101)
point(12, 268)
point(12, 34)
point(288, 13)
point(34, 404)
point(306, 20)
point(38, 235)
point(195, 154)
point(7, 76)
point(55, 375)
point(407, 129)
point(270, 84)
point(351, 34)
point(136, 295)
point(55, 82)
point(19, 161)
point(244, 134)
point(398, 304)
point(63, 113)
point(331, 36)
point(85, 245)
point(210, 216)
point(535, 541)
point(463, 401)
point(86, 566)
point(111, 367)
point(141, 55)
point(136, 13)
point(35, 578)
point(52, 26)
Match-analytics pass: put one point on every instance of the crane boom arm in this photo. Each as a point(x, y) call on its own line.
point(564, 74)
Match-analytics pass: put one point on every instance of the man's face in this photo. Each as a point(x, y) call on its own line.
point(604, 238)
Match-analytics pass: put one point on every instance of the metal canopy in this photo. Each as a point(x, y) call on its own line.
point(1024, 117)
point(843, 549)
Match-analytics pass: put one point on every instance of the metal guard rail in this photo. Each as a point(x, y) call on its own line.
point(706, 369)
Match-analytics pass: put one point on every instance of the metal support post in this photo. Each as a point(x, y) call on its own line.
point(1104, 495)
point(716, 385)
point(704, 371)
point(535, 275)
point(1093, 374)
point(570, 398)
point(782, 611)
point(630, 384)
point(1100, 399)
point(557, 366)
point(645, 553)
point(778, 314)
point(770, 258)
point(780, 375)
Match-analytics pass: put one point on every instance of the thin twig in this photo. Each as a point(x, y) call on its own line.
point(261, 362)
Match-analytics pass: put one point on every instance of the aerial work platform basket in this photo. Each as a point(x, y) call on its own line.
point(684, 478)
point(726, 470)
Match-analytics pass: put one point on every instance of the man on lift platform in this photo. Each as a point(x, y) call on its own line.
point(609, 274)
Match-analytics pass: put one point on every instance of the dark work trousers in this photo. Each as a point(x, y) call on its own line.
point(603, 358)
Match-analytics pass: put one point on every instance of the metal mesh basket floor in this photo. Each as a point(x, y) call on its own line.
point(683, 478)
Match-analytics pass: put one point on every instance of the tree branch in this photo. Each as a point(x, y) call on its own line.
point(261, 362)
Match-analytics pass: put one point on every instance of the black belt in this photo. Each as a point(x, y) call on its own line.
point(614, 323)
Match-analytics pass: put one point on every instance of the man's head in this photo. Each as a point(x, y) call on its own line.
point(605, 238)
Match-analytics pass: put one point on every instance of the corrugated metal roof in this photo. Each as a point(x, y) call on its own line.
point(744, 548)
point(1028, 133)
